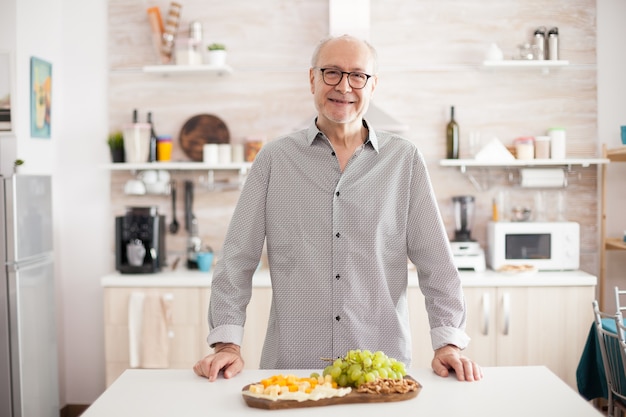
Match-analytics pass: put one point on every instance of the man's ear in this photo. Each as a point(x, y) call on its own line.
point(312, 79)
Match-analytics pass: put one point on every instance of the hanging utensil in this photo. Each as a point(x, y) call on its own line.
point(188, 205)
point(174, 226)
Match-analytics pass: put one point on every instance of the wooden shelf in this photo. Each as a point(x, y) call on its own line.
point(522, 163)
point(177, 166)
point(615, 243)
point(187, 69)
point(617, 154)
point(608, 243)
point(544, 65)
point(483, 185)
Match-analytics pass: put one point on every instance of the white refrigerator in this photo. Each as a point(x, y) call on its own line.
point(28, 346)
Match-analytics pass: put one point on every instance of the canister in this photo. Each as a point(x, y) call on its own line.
point(224, 153)
point(557, 142)
point(524, 148)
point(210, 153)
point(164, 148)
point(542, 147)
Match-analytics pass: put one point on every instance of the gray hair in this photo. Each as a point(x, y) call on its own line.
point(323, 42)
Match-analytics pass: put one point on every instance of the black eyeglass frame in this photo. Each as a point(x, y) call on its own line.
point(322, 70)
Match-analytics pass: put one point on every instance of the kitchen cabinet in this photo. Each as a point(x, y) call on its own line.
point(422, 348)
point(185, 345)
point(548, 316)
point(256, 325)
point(189, 326)
point(518, 326)
point(606, 242)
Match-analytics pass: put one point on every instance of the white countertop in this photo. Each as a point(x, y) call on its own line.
point(511, 391)
point(189, 278)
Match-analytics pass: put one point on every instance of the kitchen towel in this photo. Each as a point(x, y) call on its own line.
point(539, 178)
point(494, 151)
point(135, 314)
point(155, 335)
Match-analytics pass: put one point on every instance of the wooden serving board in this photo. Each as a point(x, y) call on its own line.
point(351, 398)
point(200, 130)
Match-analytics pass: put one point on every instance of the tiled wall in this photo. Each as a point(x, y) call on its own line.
point(430, 54)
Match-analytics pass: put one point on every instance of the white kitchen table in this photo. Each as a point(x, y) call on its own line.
point(512, 391)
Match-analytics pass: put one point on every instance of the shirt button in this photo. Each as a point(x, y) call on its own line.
point(333, 153)
point(337, 276)
point(337, 193)
point(338, 234)
point(337, 318)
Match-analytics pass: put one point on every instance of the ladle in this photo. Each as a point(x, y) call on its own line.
point(174, 226)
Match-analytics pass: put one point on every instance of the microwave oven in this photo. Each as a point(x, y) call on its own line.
point(548, 246)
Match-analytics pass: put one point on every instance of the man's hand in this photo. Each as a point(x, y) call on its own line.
point(449, 358)
point(227, 358)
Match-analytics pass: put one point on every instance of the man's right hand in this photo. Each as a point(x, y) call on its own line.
point(226, 357)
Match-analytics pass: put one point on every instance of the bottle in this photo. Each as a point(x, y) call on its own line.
point(135, 118)
point(452, 137)
point(553, 44)
point(539, 42)
point(557, 142)
point(494, 210)
point(152, 153)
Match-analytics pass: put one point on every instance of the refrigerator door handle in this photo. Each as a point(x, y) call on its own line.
point(15, 266)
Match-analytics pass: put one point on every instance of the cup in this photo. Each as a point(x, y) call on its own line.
point(623, 128)
point(136, 142)
point(238, 153)
point(224, 153)
point(135, 252)
point(164, 148)
point(134, 187)
point(149, 177)
point(204, 260)
point(210, 153)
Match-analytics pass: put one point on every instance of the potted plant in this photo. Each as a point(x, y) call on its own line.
point(116, 145)
point(217, 54)
point(16, 164)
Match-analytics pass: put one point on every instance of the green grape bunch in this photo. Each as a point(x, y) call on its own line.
point(360, 366)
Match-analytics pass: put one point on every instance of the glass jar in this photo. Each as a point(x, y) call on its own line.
point(524, 148)
point(542, 147)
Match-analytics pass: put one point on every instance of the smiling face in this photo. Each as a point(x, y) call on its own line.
point(342, 104)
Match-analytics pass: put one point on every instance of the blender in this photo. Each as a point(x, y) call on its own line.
point(466, 252)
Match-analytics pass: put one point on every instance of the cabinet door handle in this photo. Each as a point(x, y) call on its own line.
point(506, 308)
point(486, 302)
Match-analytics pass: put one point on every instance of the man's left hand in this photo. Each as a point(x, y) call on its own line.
point(449, 358)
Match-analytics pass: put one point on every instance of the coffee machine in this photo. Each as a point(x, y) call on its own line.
point(466, 252)
point(140, 241)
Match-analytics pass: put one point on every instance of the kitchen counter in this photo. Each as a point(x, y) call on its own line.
point(511, 391)
point(188, 278)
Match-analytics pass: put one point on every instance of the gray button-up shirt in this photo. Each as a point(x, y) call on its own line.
point(337, 246)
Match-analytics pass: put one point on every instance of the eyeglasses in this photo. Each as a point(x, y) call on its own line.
point(333, 77)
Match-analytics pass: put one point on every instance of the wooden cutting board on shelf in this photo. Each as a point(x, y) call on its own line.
point(351, 398)
point(201, 130)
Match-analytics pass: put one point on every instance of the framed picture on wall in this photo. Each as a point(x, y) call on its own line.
point(5, 92)
point(40, 97)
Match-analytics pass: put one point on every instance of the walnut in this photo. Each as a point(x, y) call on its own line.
point(388, 386)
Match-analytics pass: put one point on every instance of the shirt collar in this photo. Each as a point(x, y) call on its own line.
point(313, 132)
